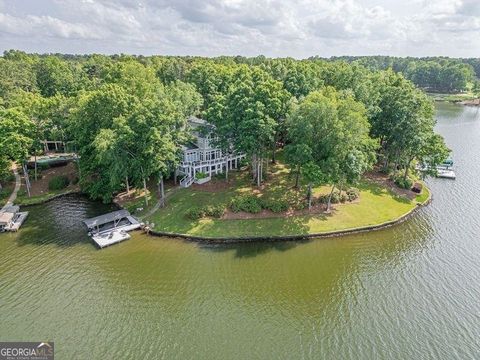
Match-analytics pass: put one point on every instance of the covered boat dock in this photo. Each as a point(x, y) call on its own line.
point(11, 218)
point(111, 228)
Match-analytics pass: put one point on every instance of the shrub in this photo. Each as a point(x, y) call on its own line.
point(43, 166)
point(323, 199)
point(195, 213)
point(343, 198)
point(215, 211)
point(353, 194)
point(401, 182)
point(275, 205)
point(335, 197)
point(201, 175)
point(247, 203)
point(300, 205)
point(58, 183)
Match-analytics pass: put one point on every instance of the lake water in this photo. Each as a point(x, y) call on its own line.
point(408, 292)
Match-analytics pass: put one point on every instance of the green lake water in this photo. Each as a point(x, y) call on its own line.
point(408, 292)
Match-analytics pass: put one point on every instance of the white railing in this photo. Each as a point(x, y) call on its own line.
point(221, 160)
point(186, 181)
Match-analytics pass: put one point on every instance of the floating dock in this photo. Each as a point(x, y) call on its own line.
point(11, 218)
point(111, 228)
point(446, 173)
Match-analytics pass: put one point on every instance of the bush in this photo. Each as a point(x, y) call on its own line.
point(323, 199)
point(58, 183)
point(353, 194)
point(195, 213)
point(343, 198)
point(275, 205)
point(215, 211)
point(247, 203)
point(335, 197)
point(402, 183)
point(43, 166)
point(300, 206)
point(201, 175)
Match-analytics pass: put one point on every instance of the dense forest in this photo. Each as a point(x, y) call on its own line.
point(126, 115)
point(435, 74)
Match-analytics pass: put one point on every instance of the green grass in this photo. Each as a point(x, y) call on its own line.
point(23, 199)
point(453, 97)
point(377, 205)
point(424, 196)
point(4, 194)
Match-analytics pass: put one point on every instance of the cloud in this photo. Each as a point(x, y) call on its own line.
point(297, 28)
point(39, 26)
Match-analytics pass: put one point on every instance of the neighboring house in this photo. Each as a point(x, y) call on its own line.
point(201, 156)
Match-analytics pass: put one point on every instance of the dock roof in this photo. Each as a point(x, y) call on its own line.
point(6, 217)
point(11, 209)
point(106, 218)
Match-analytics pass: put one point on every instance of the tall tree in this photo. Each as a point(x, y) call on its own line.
point(332, 131)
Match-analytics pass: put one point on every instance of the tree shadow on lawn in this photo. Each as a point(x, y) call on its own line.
point(378, 190)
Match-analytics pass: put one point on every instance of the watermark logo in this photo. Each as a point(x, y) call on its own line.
point(26, 350)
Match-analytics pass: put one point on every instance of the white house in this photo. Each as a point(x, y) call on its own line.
point(201, 156)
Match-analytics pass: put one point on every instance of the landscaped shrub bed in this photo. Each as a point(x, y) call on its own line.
point(350, 195)
point(253, 204)
point(247, 203)
point(198, 212)
point(353, 194)
point(274, 205)
point(58, 182)
point(398, 179)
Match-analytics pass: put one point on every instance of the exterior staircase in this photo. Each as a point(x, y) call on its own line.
point(186, 181)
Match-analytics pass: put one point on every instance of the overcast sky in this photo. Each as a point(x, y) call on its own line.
point(276, 28)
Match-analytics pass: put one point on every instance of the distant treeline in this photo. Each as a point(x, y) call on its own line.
point(436, 74)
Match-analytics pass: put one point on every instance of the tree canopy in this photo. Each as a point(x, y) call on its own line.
point(126, 114)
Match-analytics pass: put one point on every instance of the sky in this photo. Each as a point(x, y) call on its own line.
point(274, 28)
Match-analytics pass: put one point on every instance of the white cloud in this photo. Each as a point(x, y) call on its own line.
point(297, 28)
point(39, 26)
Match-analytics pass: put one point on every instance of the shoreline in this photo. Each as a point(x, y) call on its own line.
point(298, 237)
point(40, 201)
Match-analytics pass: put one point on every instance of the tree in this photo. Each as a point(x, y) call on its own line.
point(331, 130)
point(120, 137)
point(15, 138)
point(55, 76)
point(404, 123)
point(246, 117)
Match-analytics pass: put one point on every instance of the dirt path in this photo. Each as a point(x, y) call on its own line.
point(13, 196)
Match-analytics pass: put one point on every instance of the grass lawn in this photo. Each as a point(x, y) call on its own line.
point(453, 97)
point(375, 206)
point(23, 199)
point(5, 193)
